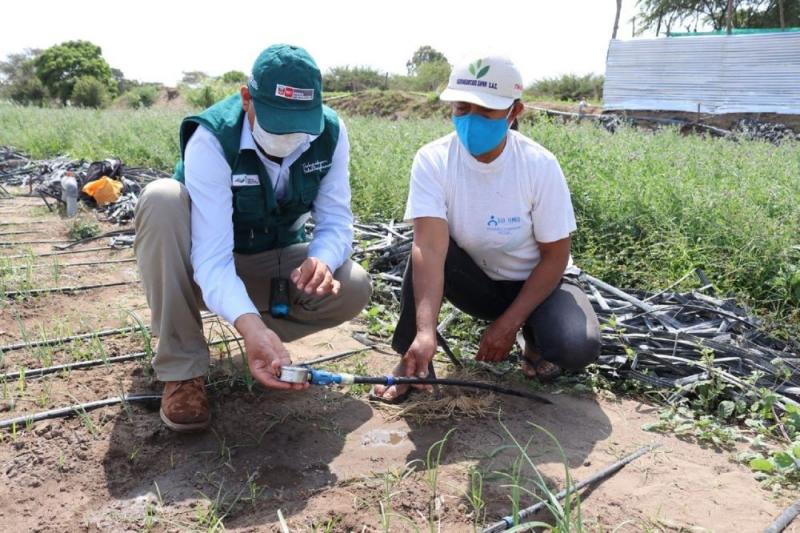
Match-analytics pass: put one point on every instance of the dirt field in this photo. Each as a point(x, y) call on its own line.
point(328, 459)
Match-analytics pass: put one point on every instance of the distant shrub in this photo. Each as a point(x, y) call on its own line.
point(209, 93)
point(90, 92)
point(569, 87)
point(142, 96)
point(234, 76)
point(347, 78)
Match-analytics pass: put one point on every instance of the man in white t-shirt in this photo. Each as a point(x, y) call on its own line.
point(492, 221)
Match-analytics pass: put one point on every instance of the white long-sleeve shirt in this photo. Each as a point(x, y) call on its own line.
point(208, 179)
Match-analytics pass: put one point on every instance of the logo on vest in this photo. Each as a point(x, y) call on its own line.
point(316, 166)
point(293, 93)
point(245, 180)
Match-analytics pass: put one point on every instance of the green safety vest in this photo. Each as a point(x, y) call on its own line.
point(260, 222)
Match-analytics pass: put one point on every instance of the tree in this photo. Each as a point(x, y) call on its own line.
point(18, 79)
point(59, 68)
point(424, 54)
point(234, 76)
point(692, 15)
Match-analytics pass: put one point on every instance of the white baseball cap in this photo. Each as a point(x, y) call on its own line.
point(493, 82)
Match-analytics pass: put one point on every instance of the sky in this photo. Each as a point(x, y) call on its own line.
point(156, 41)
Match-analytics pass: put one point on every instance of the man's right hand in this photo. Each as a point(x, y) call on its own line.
point(266, 353)
point(418, 357)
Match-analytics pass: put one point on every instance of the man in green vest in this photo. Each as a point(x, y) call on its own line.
point(228, 233)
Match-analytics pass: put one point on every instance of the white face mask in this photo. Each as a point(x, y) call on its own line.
point(279, 145)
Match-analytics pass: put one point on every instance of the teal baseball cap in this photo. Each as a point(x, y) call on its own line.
point(286, 86)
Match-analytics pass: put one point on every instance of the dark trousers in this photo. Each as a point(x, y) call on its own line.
point(563, 329)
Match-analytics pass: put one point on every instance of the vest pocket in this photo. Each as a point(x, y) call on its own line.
point(248, 205)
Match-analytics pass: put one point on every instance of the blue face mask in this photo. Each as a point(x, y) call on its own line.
point(479, 134)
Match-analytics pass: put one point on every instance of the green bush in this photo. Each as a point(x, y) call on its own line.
point(89, 92)
point(348, 78)
point(568, 88)
point(234, 76)
point(141, 97)
point(209, 93)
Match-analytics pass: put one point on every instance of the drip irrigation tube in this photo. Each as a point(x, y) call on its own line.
point(334, 356)
point(79, 264)
point(26, 232)
point(31, 373)
point(302, 374)
point(20, 243)
point(21, 223)
point(608, 471)
point(36, 292)
point(76, 409)
point(49, 254)
point(80, 336)
point(114, 233)
point(39, 372)
point(88, 263)
point(391, 380)
point(786, 518)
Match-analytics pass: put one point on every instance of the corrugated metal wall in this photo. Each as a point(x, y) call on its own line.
point(724, 74)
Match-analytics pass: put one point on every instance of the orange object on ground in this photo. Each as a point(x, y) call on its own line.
point(104, 190)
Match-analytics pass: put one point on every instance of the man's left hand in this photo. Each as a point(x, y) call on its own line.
point(496, 341)
point(314, 277)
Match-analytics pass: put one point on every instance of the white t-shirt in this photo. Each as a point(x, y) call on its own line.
point(497, 211)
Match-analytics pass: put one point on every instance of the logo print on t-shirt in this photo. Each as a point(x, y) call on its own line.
point(503, 225)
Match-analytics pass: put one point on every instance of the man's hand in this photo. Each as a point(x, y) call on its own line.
point(418, 357)
point(314, 277)
point(497, 341)
point(265, 353)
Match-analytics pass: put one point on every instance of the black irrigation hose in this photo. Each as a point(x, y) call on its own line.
point(608, 471)
point(334, 357)
point(39, 372)
point(88, 263)
point(26, 232)
point(43, 371)
point(76, 409)
point(36, 292)
point(62, 340)
point(393, 380)
point(19, 243)
point(114, 233)
point(34, 256)
point(786, 518)
point(80, 336)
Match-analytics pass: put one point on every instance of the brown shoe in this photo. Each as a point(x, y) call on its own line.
point(184, 405)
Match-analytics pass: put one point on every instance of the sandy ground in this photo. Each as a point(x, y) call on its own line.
point(327, 460)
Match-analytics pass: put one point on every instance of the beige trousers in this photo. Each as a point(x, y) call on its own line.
point(163, 243)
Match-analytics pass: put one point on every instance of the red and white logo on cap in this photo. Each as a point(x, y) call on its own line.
point(293, 93)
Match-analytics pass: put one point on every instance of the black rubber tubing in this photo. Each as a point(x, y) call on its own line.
point(786, 518)
point(76, 409)
point(608, 471)
point(388, 380)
